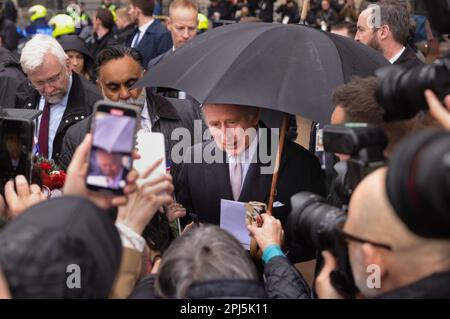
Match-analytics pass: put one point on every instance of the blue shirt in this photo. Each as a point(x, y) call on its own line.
point(56, 114)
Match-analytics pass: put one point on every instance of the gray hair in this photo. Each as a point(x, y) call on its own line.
point(202, 254)
point(35, 50)
point(251, 111)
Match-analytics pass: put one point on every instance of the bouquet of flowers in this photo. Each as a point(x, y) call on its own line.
point(51, 175)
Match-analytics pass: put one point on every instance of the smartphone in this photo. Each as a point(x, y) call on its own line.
point(16, 147)
point(113, 129)
point(150, 146)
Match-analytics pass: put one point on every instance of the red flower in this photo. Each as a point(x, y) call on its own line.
point(45, 166)
point(57, 178)
point(54, 180)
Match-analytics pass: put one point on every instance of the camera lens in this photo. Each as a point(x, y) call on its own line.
point(401, 91)
point(313, 222)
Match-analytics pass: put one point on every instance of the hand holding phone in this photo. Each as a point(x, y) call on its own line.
point(113, 131)
point(77, 171)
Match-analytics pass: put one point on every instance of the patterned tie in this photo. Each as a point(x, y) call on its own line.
point(43, 131)
point(236, 179)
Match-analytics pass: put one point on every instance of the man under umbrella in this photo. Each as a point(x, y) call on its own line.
point(238, 172)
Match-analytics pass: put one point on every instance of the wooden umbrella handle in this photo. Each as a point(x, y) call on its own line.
point(284, 127)
point(255, 251)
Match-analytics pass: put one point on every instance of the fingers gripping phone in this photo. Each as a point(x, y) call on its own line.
point(151, 148)
point(16, 147)
point(113, 131)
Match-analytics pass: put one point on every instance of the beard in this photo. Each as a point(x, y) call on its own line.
point(59, 94)
point(374, 44)
point(139, 101)
point(55, 97)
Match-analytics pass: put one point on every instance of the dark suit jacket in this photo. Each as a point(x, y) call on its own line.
point(166, 114)
point(154, 42)
point(408, 59)
point(82, 97)
point(121, 36)
point(201, 186)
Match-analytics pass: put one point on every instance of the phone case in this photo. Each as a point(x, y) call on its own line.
point(150, 146)
point(110, 142)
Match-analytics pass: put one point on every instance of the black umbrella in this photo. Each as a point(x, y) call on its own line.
point(289, 68)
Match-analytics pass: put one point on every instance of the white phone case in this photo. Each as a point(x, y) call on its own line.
point(151, 148)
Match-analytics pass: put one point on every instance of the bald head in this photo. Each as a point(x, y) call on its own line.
point(372, 217)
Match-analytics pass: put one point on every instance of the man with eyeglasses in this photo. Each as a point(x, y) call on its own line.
point(63, 97)
point(388, 258)
point(394, 253)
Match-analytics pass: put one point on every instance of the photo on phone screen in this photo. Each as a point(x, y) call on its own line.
point(114, 131)
point(16, 146)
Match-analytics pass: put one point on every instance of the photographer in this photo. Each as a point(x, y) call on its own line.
point(355, 102)
point(398, 226)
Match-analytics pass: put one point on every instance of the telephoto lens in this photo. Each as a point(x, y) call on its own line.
point(313, 222)
point(401, 91)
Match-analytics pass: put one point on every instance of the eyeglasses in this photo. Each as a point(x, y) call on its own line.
point(346, 237)
point(50, 81)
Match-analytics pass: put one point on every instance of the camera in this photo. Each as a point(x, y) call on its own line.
point(401, 91)
point(364, 144)
point(315, 222)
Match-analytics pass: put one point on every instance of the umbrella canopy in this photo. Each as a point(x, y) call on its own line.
point(289, 68)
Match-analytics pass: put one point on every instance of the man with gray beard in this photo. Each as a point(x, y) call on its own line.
point(63, 97)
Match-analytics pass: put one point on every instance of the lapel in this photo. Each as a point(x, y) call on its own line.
point(151, 29)
point(160, 107)
point(217, 176)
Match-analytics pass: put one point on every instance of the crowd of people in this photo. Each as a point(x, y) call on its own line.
point(162, 238)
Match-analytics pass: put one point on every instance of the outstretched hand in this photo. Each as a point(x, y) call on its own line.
point(440, 112)
point(270, 233)
point(144, 203)
point(19, 195)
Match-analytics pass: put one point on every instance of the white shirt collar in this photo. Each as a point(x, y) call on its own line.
point(144, 112)
point(395, 57)
point(144, 27)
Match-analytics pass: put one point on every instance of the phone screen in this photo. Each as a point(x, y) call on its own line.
point(16, 145)
point(114, 130)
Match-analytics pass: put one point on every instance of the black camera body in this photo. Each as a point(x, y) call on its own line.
point(365, 145)
point(313, 221)
point(401, 91)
